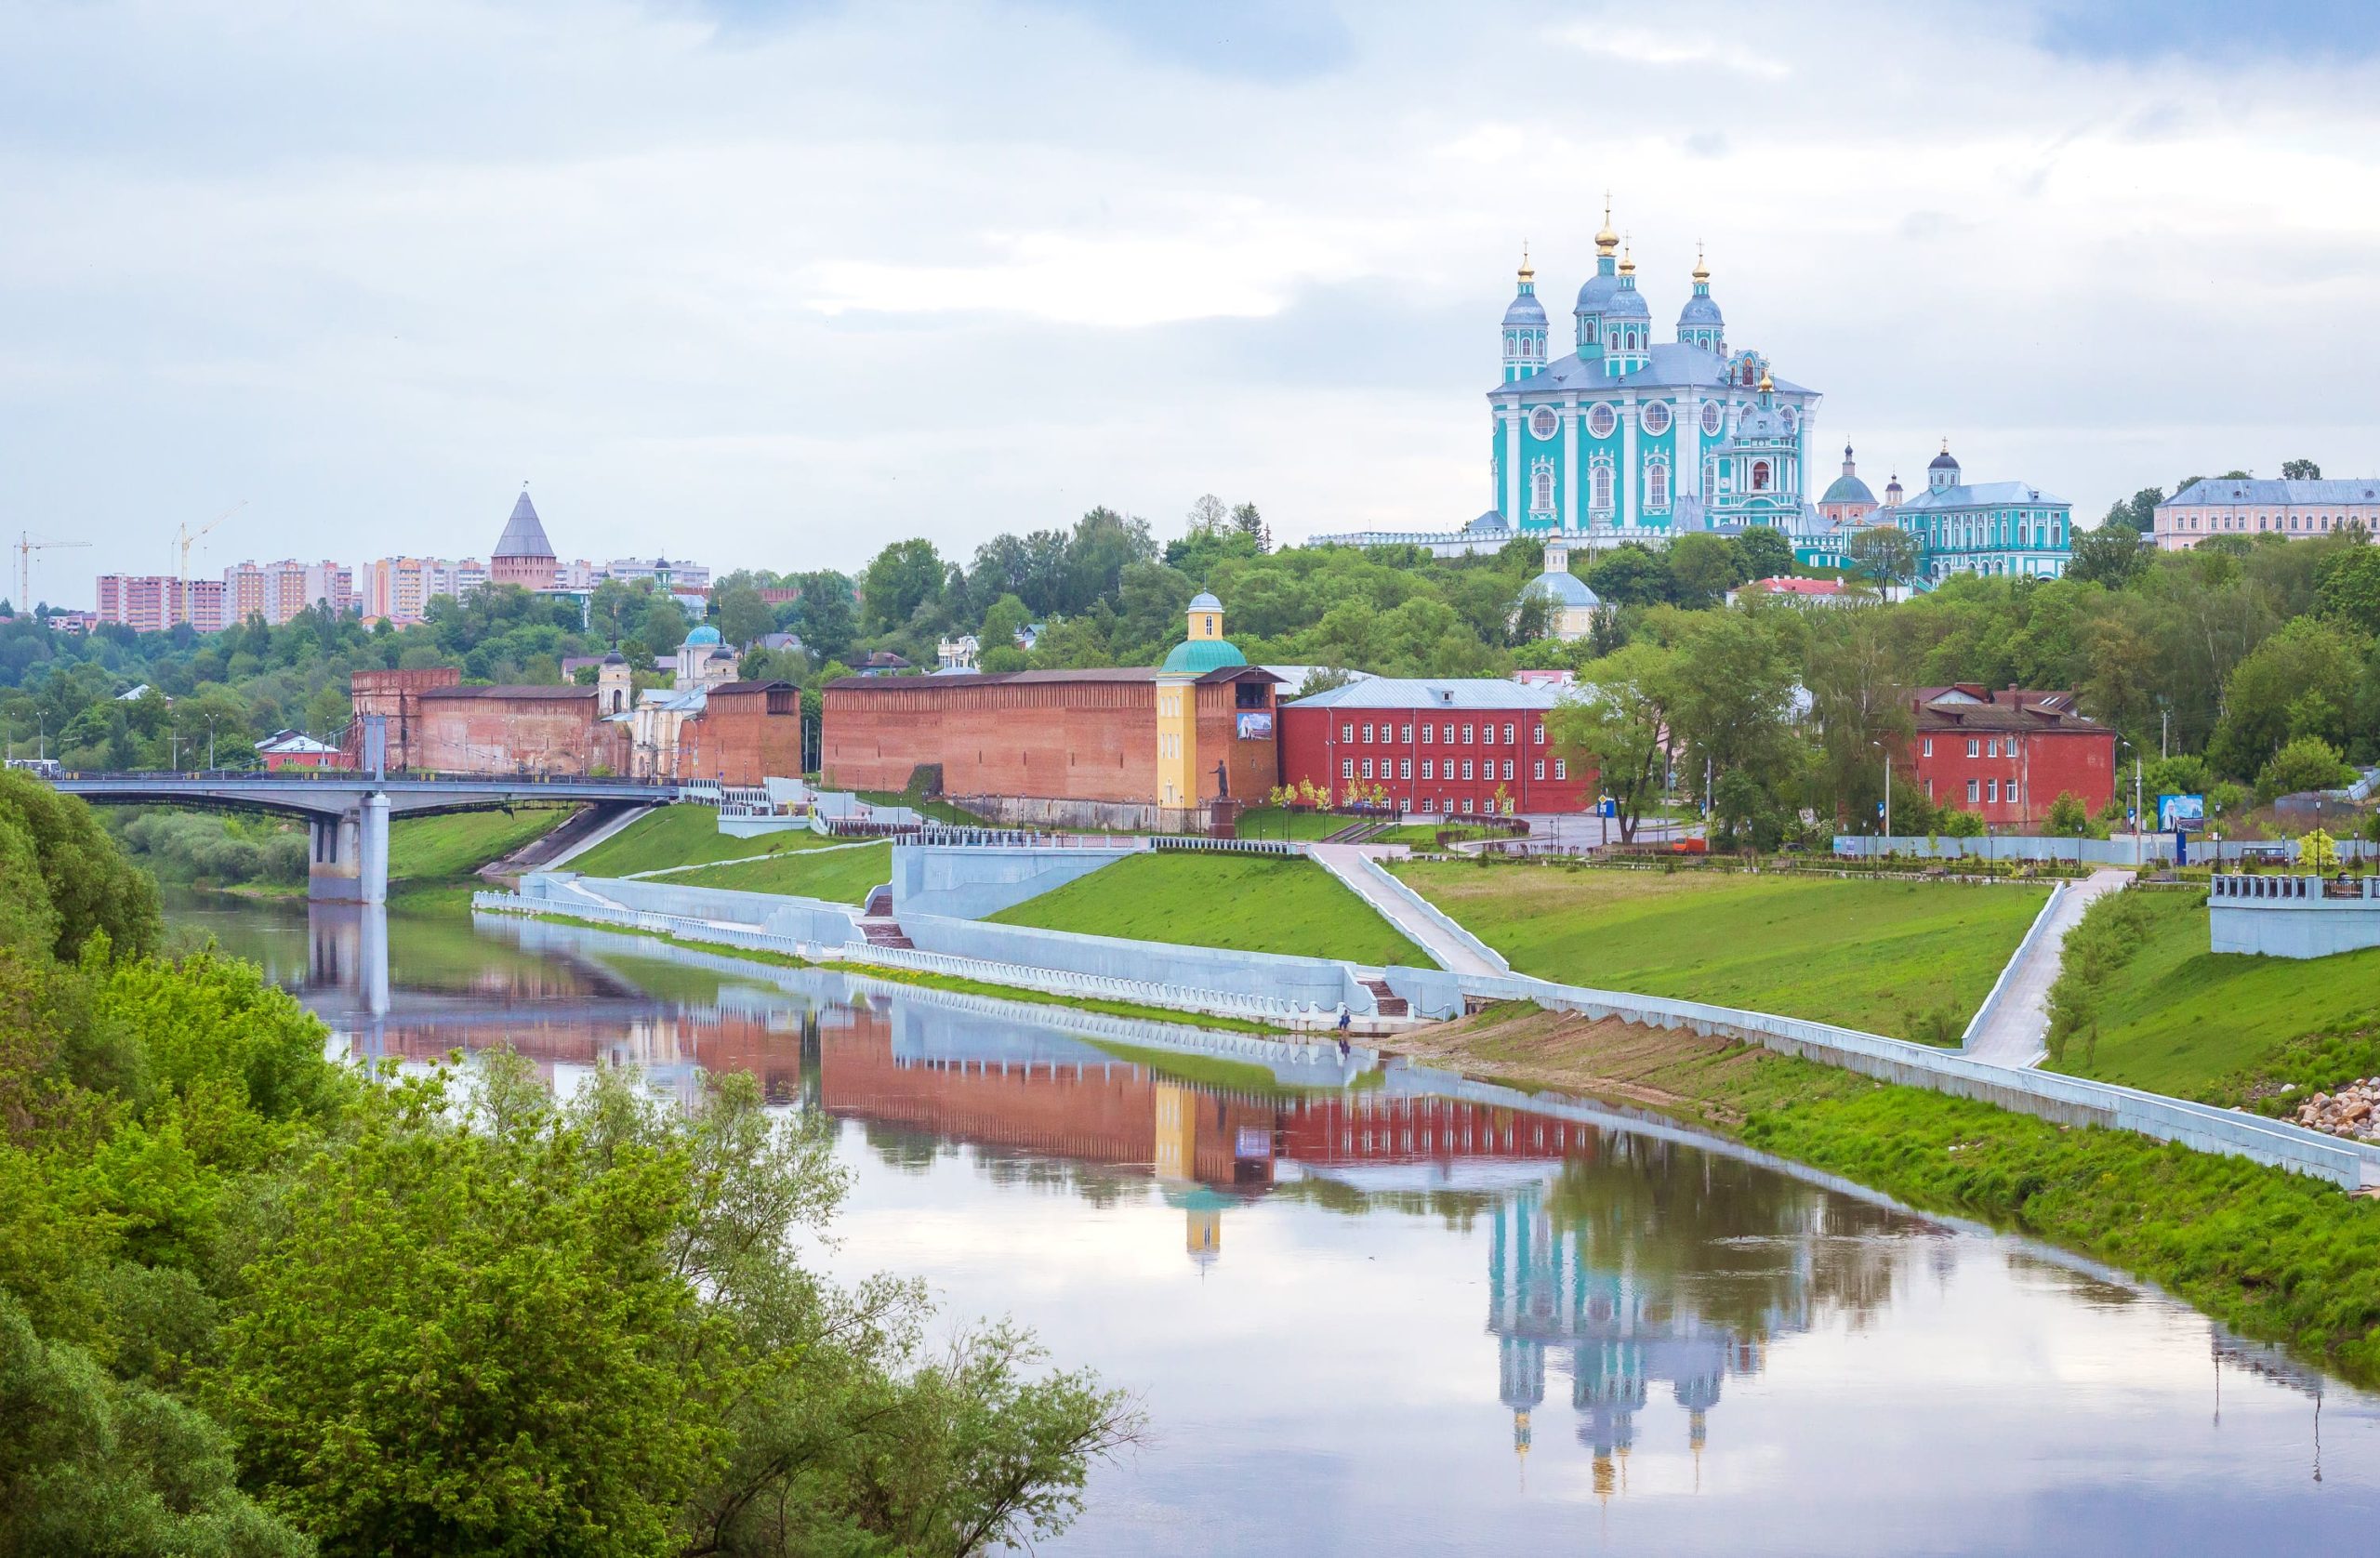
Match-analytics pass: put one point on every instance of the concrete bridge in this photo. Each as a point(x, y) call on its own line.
point(348, 814)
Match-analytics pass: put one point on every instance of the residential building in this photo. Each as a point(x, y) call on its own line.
point(1624, 438)
point(2007, 754)
point(1176, 737)
point(400, 588)
point(277, 591)
point(1462, 746)
point(154, 602)
point(297, 749)
point(2000, 528)
point(673, 577)
point(2236, 505)
point(957, 653)
point(1804, 592)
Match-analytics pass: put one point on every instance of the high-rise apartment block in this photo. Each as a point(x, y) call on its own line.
point(277, 591)
point(154, 602)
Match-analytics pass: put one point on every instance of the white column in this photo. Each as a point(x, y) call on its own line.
point(1687, 479)
point(1514, 513)
point(1570, 466)
point(1628, 495)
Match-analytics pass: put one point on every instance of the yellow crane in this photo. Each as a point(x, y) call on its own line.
point(185, 539)
point(26, 547)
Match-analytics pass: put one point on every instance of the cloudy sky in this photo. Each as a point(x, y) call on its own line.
point(775, 282)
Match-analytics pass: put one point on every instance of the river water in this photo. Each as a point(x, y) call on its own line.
point(1378, 1311)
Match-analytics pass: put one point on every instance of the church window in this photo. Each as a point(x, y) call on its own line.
point(1656, 418)
point(1713, 418)
point(1540, 490)
point(1543, 423)
point(1760, 476)
point(1600, 487)
point(1601, 420)
point(1657, 483)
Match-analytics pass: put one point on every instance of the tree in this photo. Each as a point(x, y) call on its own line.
point(1732, 708)
point(1629, 575)
point(1617, 718)
point(2137, 513)
point(903, 577)
point(1767, 552)
point(1208, 515)
point(2304, 682)
point(743, 617)
point(1250, 524)
point(2348, 588)
point(1860, 700)
point(1004, 623)
point(2069, 818)
point(1886, 553)
point(2109, 555)
point(1705, 567)
point(823, 614)
point(2300, 470)
point(90, 888)
point(2307, 763)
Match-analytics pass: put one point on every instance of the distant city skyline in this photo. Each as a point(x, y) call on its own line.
point(779, 284)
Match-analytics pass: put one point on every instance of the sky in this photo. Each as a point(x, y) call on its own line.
point(775, 283)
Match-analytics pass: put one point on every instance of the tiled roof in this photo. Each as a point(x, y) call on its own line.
point(1466, 693)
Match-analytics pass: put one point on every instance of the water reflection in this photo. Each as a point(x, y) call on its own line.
point(1398, 1312)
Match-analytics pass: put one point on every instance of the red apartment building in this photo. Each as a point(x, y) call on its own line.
point(1456, 747)
point(2009, 754)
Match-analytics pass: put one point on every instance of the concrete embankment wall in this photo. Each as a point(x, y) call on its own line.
point(2123, 850)
point(2047, 1095)
point(1299, 981)
point(980, 881)
point(2293, 917)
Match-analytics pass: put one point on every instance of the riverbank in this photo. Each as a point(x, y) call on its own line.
point(2270, 1253)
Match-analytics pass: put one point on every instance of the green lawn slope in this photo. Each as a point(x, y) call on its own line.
point(838, 876)
point(1910, 958)
point(1248, 902)
point(453, 846)
point(2179, 1019)
point(685, 834)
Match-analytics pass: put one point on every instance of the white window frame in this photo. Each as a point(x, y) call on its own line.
point(1561, 767)
point(1346, 768)
point(1974, 791)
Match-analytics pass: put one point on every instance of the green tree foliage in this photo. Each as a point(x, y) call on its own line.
point(906, 575)
point(2300, 470)
point(2349, 588)
point(2109, 555)
point(1861, 703)
point(2069, 817)
point(2304, 682)
point(1617, 720)
point(90, 887)
point(1731, 715)
point(1886, 554)
point(1766, 552)
point(2307, 764)
point(825, 617)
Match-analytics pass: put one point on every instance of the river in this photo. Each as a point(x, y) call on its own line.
point(1377, 1311)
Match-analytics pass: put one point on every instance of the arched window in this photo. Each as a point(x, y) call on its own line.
point(1760, 476)
point(1541, 490)
point(1601, 487)
point(1657, 483)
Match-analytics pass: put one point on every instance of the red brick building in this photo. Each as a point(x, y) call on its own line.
point(1067, 735)
point(1456, 747)
point(437, 725)
point(394, 696)
point(2007, 755)
point(748, 732)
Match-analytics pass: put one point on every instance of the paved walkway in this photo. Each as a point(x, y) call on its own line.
point(2019, 1026)
point(1347, 862)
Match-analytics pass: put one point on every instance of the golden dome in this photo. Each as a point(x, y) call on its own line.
point(1702, 272)
point(1607, 239)
point(1528, 273)
point(1766, 384)
point(1628, 263)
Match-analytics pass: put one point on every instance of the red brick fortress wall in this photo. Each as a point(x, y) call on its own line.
point(518, 730)
point(748, 732)
point(1085, 737)
point(396, 696)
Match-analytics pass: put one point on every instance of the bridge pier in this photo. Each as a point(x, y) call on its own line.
point(347, 862)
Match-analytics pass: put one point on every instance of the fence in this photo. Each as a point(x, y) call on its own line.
point(2067, 1100)
point(1057, 981)
point(2293, 917)
point(2124, 850)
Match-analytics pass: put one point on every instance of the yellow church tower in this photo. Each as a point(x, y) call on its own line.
point(1177, 699)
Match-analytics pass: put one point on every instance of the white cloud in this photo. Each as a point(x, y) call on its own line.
point(1666, 47)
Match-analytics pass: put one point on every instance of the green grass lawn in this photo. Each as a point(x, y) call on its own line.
point(1912, 960)
point(1248, 902)
point(837, 876)
point(686, 834)
point(1280, 822)
point(2179, 1019)
point(453, 846)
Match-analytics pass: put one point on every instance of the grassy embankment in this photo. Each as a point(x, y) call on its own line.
point(839, 876)
point(2270, 1253)
point(1914, 959)
point(685, 834)
point(2175, 1018)
point(1281, 822)
point(1247, 903)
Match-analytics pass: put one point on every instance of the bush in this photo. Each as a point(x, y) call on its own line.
point(2307, 763)
point(1955, 823)
point(2069, 818)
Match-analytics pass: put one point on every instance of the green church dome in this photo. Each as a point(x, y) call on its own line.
point(1198, 656)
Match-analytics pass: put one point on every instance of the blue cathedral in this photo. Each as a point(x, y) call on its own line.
point(1626, 436)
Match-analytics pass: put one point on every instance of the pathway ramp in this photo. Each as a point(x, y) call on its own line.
point(1352, 863)
point(2017, 1031)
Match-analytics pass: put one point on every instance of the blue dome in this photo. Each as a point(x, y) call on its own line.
point(1595, 297)
point(1848, 489)
point(1700, 310)
point(1526, 311)
point(1628, 303)
point(1202, 601)
point(1565, 588)
point(705, 634)
point(1763, 422)
point(1942, 462)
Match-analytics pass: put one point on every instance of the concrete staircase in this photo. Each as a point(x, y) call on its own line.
point(1390, 1005)
point(886, 933)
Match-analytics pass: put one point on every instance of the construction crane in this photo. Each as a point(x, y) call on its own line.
point(26, 547)
point(185, 539)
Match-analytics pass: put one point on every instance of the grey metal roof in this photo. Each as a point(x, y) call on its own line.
point(1202, 601)
point(1673, 364)
point(1566, 588)
point(1474, 693)
point(1628, 303)
point(1488, 523)
point(524, 535)
point(1942, 462)
point(1983, 495)
point(1700, 310)
point(1525, 310)
point(2219, 489)
point(1848, 489)
point(1595, 294)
